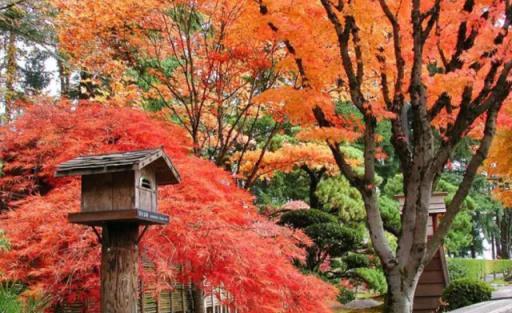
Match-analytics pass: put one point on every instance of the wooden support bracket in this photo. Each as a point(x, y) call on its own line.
point(100, 240)
point(142, 233)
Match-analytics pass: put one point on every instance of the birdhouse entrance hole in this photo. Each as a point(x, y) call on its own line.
point(145, 183)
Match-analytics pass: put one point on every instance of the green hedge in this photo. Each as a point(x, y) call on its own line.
point(464, 292)
point(477, 269)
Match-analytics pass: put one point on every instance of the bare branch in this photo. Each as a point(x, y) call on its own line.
point(433, 13)
point(399, 139)
point(251, 178)
point(343, 33)
point(443, 101)
point(399, 60)
point(470, 110)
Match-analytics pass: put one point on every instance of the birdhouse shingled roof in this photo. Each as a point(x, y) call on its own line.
point(436, 204)
point(166, 173)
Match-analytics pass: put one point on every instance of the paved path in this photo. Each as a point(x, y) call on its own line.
point(502, 292)
point(495, 306)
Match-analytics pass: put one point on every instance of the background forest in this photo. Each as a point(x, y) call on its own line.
point(160, 68)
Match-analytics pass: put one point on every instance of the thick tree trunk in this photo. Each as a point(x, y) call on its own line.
point(119, 268)
point(400, 296)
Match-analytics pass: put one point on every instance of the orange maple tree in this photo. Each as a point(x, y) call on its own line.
point(436, 71)
point(216, 234)
point(498, 166)
point(286, 159)
point(188, 60)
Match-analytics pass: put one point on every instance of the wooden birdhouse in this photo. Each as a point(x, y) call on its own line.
point(436, 209)
point(121, 187)
point(435, 275)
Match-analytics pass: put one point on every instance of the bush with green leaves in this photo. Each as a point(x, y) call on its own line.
point(345, 295)
point(331, 238)
point(334, 238)
point(474, 269)
point(303, 218)
point(341, 199)
point(10, 301)
point(9, 298)
point(477, 269)
point(390, 214)
point(373, 277)
point(457, 270)
point(466, 291)
point(356, 260)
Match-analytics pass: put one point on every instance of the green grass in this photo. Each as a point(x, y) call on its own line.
point(499, 281)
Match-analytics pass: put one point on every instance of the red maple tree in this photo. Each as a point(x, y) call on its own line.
point(215, 234)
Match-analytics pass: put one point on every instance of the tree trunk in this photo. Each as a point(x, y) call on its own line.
point(119, 268)
point(314, 202)
point(493, 247)
point(197, 297)
point(10, 76)
point(400, 296)
point(314, 180)
point(87, 88)
point(505, 225)
point(63, 76)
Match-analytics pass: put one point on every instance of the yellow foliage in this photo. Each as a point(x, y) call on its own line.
point(290, 157)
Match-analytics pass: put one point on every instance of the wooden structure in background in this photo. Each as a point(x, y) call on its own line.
point(435, 275)
point(119, 193)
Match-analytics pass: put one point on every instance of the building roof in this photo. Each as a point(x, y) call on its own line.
point(166, 173)
point(436, 204)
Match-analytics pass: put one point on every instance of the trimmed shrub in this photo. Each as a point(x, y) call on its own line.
point(374, 278)
point(457, 270)
point(304, 218)
point(334, 238)
point(355, 260)
point(464, 292)
point(477, 269)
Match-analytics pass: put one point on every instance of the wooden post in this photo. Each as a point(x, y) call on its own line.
point(119, 192)
point(119, 268)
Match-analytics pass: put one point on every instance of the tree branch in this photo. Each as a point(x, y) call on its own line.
point(454, 206)
point(251, 178)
